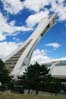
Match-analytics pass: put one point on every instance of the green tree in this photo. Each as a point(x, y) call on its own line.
point(34, 77)
point(4, 74)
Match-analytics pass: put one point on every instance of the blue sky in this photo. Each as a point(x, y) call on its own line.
point(19, 18)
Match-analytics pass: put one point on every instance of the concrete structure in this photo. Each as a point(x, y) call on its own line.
point(21, 57)
point(58, 70)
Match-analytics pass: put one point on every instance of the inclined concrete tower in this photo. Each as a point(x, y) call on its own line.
point(20, 59)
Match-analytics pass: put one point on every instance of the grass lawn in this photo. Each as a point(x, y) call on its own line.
point(22, 96)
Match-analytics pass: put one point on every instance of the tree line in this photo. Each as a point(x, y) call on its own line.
point(36, 77)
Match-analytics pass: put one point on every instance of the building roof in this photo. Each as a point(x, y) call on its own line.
point(58, 70)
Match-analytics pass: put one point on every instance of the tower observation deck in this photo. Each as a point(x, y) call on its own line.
point(20, 59)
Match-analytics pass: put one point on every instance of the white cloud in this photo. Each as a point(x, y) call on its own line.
point(10, 28)
point(40, 56)
point(21, 28)
point(60, 1)
point(2, 37)
point(35, 18)
point(57, 6)
point(58, 59)
point(13, 6)
point(4, 26)
point(7, 48)
point(54, 45)
point(35, 5)
point(12, 23)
